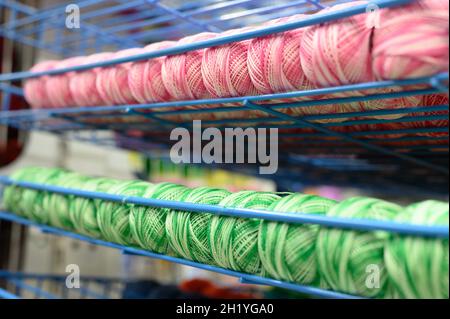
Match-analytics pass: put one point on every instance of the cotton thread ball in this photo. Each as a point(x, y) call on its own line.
point(418, 266)
point(113, 217)
point(431, 100)
point(274, 60)
point(83, 211)
point(145, 79)
point(327, 51)
point(346, 258)
point(410, 43)
point(58, 205)
point(181, 73)
point(148, 224)
point(34, 89)
point(112, 81)
point(58, 86)
point(12, 195)
point(234, 241)
point(188, 232)
point(82, 84)
point(32, 201)
point(288, 251)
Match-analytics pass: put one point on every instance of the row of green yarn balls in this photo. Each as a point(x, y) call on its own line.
point(330, 258)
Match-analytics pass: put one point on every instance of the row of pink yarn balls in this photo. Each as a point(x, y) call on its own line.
point(412, 41)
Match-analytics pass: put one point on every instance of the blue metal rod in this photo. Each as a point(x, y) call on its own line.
point(7, 295)
point(365, 144)
point(314, 19)
point(335, 222)
point(256, 98)
point(139, 252)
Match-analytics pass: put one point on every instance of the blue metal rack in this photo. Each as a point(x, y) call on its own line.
point(326, 221)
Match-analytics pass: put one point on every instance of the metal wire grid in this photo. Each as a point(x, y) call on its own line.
point(330, 145)
point(326, 221)
point(50, 286)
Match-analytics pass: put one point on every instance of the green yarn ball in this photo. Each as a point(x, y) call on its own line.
point(418, 267)
point(349, 260)
point(12, 195)
point(83, 211)
point(32, 201)
point(288, 251)
point(188, 232)
point(113, 217)
point(234, 241)
point(148, 224)
point(57, 205)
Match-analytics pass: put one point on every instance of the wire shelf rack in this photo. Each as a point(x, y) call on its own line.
point(399, 151)
point(326, 221)
point(50, 286)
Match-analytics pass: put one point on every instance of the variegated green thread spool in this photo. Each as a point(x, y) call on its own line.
point(83, 211)
point(148, 224)
point(188, 232)
point(418, 267)
point(352, 261)
point(58, 205)
point(288, 251)
point(32, 203)
point(12, 195)
point(114, 218)
point(234, 241)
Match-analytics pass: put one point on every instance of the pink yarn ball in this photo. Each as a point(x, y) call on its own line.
point(58, 86)
point(34, 88)
point(112, 81)
point(83, 84)
point(181, 73)
point(337, 52)
point(145, 79)
point(410, 43)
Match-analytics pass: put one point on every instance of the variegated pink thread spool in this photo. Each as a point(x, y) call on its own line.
point(274, 64)
point(181, 73)
point(112, 81)
point(411, 42)
point(328, 59)
point(58, 86)
point(274, 60)
point(34, 88)
point(83, 84)
point(145, 79)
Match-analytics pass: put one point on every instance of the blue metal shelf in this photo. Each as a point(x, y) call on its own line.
point(120, 24)
point(327, 221)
